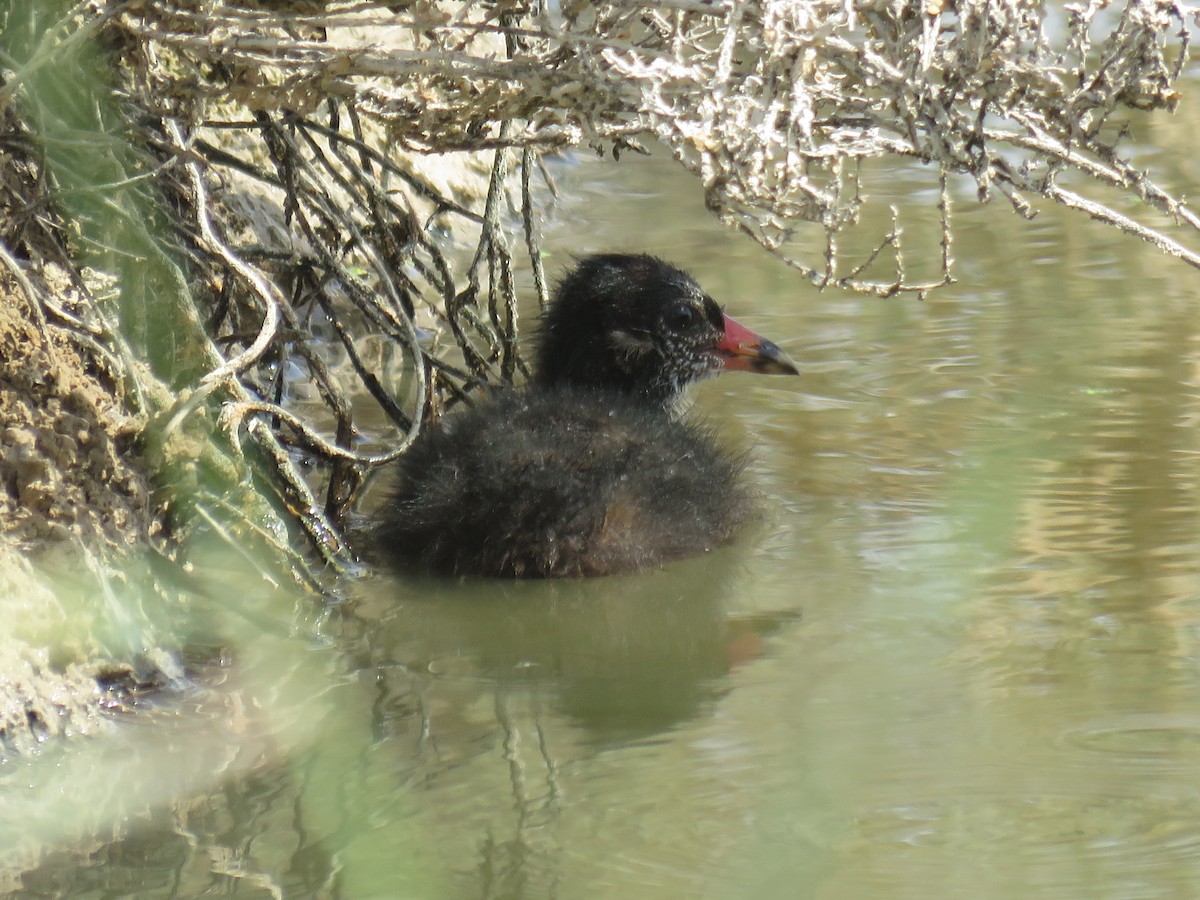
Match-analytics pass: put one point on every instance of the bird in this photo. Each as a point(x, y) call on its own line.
point(592, 467)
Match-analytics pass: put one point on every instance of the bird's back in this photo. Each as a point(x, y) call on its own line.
point(560, 482)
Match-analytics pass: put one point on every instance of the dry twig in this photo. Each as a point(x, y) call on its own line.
point(776, 106)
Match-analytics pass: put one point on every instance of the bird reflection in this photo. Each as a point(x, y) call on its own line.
point(622, 658)
point(535, 676)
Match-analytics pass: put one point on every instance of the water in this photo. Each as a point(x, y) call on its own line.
point(958, 656)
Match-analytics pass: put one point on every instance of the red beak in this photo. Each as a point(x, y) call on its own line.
point(741, 348)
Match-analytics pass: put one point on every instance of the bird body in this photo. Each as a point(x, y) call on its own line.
point(587, 470)
point(562, 481)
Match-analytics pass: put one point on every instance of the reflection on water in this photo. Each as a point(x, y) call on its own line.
point(619, 658)
point(512, 691)
point(958, 657)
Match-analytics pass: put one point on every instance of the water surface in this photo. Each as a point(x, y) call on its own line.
point(957, 656)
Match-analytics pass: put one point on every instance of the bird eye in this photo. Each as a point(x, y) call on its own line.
point(680, 317)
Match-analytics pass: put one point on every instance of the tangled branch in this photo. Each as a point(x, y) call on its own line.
point(773, 104)
point(338, 302)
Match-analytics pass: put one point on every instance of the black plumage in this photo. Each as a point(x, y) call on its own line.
point(587, 470)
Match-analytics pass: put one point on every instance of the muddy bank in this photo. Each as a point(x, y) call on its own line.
point(70, 466)
point(75, 494)
point(76, 498)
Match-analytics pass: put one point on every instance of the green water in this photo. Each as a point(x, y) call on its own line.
point(958, 657)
